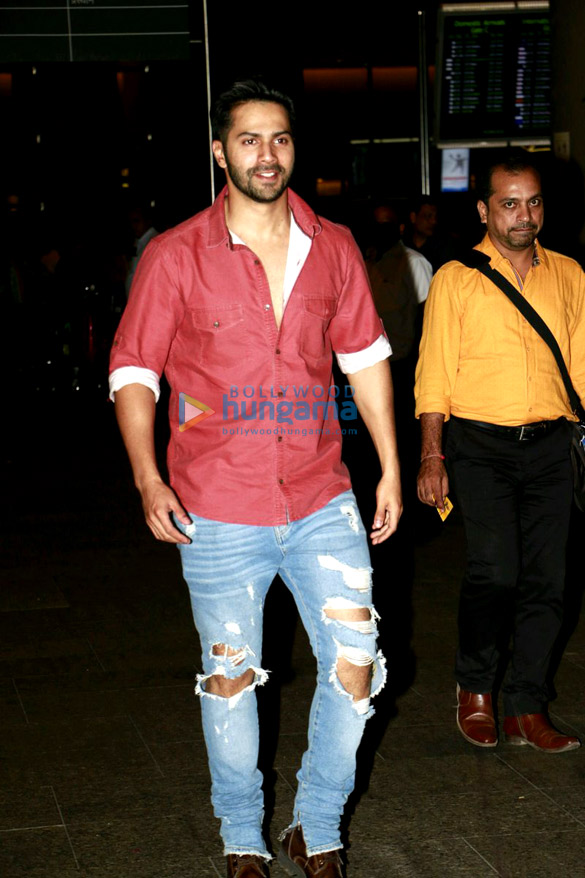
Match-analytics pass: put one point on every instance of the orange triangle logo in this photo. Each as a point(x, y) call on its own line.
point(192, 412)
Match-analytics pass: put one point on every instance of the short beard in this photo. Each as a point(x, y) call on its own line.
point(246, 184)
point(514, 244)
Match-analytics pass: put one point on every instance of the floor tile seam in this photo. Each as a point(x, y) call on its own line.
point(540, 789)
point(578, 830)
point(285, 781)
point(391, 840)
point(145, 745)
point(70, 843)
point(562, 718)
point(81, 827)
point(416, 692)
point(32, 828)
point(573, 663)
point(130, 816)
point(409, 796)
point(558, 804)
point(477, 853)
point(95, 655)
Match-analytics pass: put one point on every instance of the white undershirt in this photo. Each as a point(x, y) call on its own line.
point(299, 247)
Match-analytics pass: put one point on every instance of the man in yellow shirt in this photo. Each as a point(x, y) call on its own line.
point(485, 368)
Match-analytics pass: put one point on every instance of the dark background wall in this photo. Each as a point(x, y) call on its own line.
point(84, 140)
point(81, 139)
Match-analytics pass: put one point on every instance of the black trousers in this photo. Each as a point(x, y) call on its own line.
point(515, 498)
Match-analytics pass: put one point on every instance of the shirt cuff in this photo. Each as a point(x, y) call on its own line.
point(379, 350)
point(134, 375)
point(429, 404)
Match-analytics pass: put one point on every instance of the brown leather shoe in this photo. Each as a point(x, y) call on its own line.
point(535, 729)
point(247, 866)
point(293, 858)
point(475, 718)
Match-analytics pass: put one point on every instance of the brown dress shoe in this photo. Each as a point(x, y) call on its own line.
point(293, 858)
point(247, 866)
point(535, 729)
point(475, 718)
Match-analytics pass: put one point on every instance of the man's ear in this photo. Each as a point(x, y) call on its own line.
point(217, 149)
point(482, 210)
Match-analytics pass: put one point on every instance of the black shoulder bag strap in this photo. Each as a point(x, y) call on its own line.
point(479, 260)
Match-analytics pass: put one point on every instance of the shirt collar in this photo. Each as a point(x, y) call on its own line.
point(486, 246)
point(305, 218)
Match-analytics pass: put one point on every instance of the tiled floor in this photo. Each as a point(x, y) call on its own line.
point(103, 771)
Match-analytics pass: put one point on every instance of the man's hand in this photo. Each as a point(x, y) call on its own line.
point(135, 410)
point(388, 508)
point(158, 502)
point(433, 482)
point(374, 397)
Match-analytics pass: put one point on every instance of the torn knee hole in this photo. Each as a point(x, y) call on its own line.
point(229, 689)
point(229, 655)
point(218, 684)
point(224, 650)
point(350, 614)
point(357, 578)
point(355, 675)
point(361, 615)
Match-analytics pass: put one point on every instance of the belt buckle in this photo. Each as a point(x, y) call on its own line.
point(526, 432)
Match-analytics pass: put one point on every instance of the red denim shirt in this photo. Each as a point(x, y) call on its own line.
point(200, 309)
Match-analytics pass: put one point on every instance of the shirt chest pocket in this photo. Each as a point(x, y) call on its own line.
point(220, 338)
point(317, 314)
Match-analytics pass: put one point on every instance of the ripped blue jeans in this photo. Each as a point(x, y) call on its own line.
point(323, 559)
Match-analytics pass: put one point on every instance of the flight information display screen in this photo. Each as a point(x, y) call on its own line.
point(493, 73)
point(94, 30)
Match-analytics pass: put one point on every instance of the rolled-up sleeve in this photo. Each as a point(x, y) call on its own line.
point(356, 325)
point(154, 311)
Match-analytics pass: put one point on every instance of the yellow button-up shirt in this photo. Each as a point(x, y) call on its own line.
point(481, 359)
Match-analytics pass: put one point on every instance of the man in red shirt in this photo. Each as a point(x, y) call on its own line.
point(241, 306)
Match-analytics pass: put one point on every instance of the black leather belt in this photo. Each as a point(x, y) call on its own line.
point(523, 433)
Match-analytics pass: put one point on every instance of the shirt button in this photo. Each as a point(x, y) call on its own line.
point(279, 439)
point(216, 323)
point(281, 481)
point(277, 351)
point(280, 393)
point(267, 307)
point(256, 262)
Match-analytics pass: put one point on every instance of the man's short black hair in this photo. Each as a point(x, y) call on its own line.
point(416, 204)
point(241, 93)
point(509, 163)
